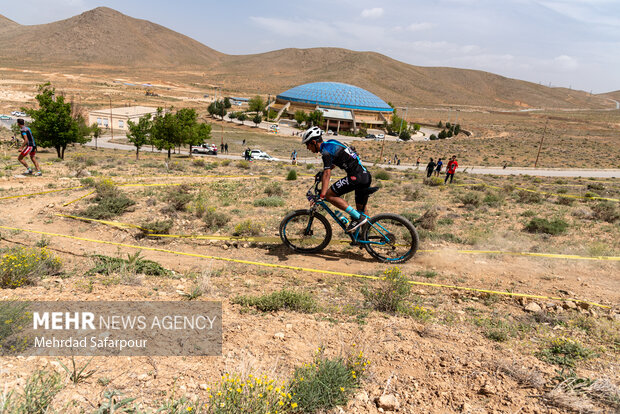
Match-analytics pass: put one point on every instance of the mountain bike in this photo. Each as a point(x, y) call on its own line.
point(389, 238)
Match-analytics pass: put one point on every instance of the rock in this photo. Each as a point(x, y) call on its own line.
point(278, 335)
point(362, 397)
point(583, 305)
point(143, 377)
point(466, 408)
point(203, 387)
point(569, 304)
point(533, 307)
point(387, 402)
point(50, 205)
point(289, 326)
point(225, 247)
point(487, 389)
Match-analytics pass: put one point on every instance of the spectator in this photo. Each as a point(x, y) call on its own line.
point(226, 148)
point(429, 168)
point(438, 168)
point(294, 157)
point(451, 169)
point(417, 163)
point(222, 148)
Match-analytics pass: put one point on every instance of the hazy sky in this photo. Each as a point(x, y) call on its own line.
point(570, 43)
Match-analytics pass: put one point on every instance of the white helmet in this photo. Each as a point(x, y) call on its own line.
point(310, 134)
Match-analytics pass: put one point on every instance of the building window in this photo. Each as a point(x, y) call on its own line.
point(121, 124)
point(105, 122)
point(98, 121)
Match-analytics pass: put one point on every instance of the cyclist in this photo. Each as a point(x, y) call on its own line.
point(358, 178)
point(28, 147)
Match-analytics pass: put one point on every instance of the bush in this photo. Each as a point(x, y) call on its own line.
point(14, 317)
point(382, 175)
point(225, 163)
point(433, 181)
point(540, 225)
point(282, 300)
point(327, 382)
point(274, 189)
point(433, 137)
point(21, 266)
point(606, 211)
point(269, 202)
point(413, 193)
point(178, 197)
point(471, 199)
point(157, 226)
point(565, 201)
point(564, 352)
point(243, 164)
point(134, 264)
point(247, 228)
point(292, 175)
point(390, 294)
point(493, 199)
point(215, 220)
point(110, 201)
point(273, 201)
point(596, 186)
point(37, 396)
point(529, 197)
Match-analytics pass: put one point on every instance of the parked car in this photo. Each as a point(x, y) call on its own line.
point(5, 117)
point(380, 136)
point(208, 149)
point(260, 155)
point(371, 136)
point(18, 113)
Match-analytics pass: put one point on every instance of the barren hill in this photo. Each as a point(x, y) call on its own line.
point(103, 37)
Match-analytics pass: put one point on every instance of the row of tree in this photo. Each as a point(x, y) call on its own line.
point(168, 130)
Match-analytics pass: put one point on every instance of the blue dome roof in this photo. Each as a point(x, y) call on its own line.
point(335, 94)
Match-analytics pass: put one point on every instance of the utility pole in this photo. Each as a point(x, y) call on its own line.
point(111, 120)
point(541, 142)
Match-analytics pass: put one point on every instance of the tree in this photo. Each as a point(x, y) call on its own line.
point(433, 137)
point(212, 109)
point(232, 116)
point(256, 104)
point(271, 115)
point(96, 131)
point(457, 129)
point(203, 132)
point(227, 103)
point(242, 117)
point(315, 118)
point(164, 130)
point(440, 125)
point(416, 127)
point(257, 119)
point(52, 124)
point(442, 134)
point(187, 125)
point(300, 117)
point(405, 135)
point(449, 133)
point(139, 133)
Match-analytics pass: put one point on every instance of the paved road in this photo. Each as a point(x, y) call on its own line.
point(103, 142)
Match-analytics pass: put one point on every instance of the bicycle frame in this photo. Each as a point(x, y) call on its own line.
point(355, 236)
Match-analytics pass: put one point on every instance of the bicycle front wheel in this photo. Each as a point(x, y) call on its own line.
point(305, 231)
point(391, 238)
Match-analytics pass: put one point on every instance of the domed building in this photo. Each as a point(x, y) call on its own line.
point(345, 107)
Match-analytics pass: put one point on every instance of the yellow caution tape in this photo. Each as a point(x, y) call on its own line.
point(542, 192)
point(41, 192)
point(78, 199)
point(277, 240)
point(304, 269)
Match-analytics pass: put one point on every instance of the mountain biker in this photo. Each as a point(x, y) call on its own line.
point(358, 178)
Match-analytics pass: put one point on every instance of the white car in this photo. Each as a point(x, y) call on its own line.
point(380, 136)
point(18, 113)
point(260, 155)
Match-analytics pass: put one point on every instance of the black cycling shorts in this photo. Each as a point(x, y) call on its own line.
point(357, 182)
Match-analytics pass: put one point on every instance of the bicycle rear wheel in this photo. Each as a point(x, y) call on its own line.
point(392, 238)
point(305, 231)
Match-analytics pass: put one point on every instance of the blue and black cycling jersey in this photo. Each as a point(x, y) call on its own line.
point(335, 153)
point(27, 133)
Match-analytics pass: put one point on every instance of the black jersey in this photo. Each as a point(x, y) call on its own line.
point(335, 153)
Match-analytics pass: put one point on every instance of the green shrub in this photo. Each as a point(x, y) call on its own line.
point(157, 226)
point(215, 220)
point(198, 162)
point(606, 211)
point(471, 199)
point(274, 189)
point(109, 201)
point(413, 193)
point(178, 197)
point(591, 194)
point(564, 352)
point(225, 163)
point(565, 201)
point(493, 199)
point(269, 202)
point(327, 382)
point(596, 186)
point(528, 213)
point(433, 181)
point(13, 318)
point(292, 175)
point(529, 197)
point(382, 175)
point(391, 292)
point(37, 395)
point(243, 165)
point(21, 266)
point(247, 228)
point(541, 225)
point(134, 264)
point(282, 300)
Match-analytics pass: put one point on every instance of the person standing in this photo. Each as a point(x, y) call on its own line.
point(429, 168)
point(438, 168)
point(417, 163)
point(29, 147)
point(226, 148)
point(451, 169)
point(294, 157)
